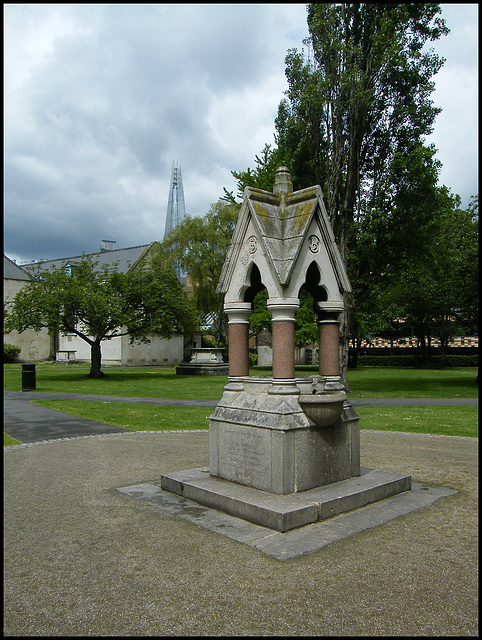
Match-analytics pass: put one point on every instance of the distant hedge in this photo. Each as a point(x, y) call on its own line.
point(10, 352)
point(415, 361)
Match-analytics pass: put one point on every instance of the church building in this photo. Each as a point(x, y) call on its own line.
point(37, 346)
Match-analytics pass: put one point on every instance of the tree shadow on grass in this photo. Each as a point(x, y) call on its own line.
point(133, 383)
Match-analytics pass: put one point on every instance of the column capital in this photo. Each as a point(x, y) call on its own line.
point(238, 312)
point(283, 309)
point(330, 307)
point(328, 312)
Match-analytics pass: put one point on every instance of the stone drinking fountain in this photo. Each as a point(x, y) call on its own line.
point(284, 450)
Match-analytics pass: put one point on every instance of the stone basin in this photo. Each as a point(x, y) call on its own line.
point(324, 409)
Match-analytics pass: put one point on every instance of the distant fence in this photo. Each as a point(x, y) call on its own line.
point(408, 348)
point(461, 352)
point(403, 344)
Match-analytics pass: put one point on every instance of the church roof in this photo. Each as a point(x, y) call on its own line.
point(125, 258)
point(12, 271)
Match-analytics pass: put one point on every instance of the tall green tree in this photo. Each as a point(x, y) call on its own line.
point(101, 303)
point(386, 241)
point(361, 97)
point(356, 114)
point(438, 292)
point(264, 173)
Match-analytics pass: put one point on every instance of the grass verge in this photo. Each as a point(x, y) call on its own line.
point(444, 421)
point(134, 416)
point(8, 441)
point(448, 421)
point(157, 382)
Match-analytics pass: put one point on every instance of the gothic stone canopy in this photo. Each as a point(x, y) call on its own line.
point(284, 241)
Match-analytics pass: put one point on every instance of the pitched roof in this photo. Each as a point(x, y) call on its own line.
point(283, 220)
point(283, 228)
point(11, 271)
point(125, 258)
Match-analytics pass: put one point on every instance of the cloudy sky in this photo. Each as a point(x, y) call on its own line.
point(101, 98)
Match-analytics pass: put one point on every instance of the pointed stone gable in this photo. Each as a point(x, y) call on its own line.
point(284, 224)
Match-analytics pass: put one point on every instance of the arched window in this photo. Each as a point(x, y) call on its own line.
point(255, 284)
point(312, 284)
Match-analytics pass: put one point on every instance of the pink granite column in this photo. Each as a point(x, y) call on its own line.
point(283, 312)
point(238, 328)
point(329, 352)
point(283, 349)
point(238, 350)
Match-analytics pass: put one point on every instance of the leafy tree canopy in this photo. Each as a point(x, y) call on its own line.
point(438, 293)
point(101, 303)
point(354, 120)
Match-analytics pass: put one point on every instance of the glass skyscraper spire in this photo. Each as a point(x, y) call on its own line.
point(176, 209)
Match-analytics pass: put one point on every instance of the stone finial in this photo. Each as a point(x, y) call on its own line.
point(282, 181)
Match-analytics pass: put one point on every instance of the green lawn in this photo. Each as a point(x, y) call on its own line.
point(8, 440)
point(444, 421)
point(145, 382)
point(134, 416)
point(365, 382)
point(385, 382)
point(455, 421)
point(157, 382)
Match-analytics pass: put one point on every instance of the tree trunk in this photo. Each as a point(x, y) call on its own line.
point(424, 344)
point(95, 361)
point(219, 328)
point(343, 350)
point(444, 341)
point(353, 359)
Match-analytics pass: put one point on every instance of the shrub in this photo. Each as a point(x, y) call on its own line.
point(470, 360)
point(10, 352)
point(208, 341)
point(416, 362)
point(253, 359)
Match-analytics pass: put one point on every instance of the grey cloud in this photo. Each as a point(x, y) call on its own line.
point(117, 92)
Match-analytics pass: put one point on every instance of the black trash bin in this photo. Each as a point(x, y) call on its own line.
point(28, 377)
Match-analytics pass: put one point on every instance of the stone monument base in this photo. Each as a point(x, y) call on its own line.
point(205, 361)
point(202, 369)
point(285, 512)
point(260, 436)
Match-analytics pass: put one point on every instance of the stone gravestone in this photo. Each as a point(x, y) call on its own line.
point(284, 449)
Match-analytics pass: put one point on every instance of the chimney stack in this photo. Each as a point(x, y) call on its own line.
point(107, 245)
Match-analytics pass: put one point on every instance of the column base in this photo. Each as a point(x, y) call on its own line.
point(284, 386)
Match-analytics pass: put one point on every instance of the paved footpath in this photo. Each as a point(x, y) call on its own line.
point(30, 423)
point(81, 558)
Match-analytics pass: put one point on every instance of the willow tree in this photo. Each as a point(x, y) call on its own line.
point(198, 245)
